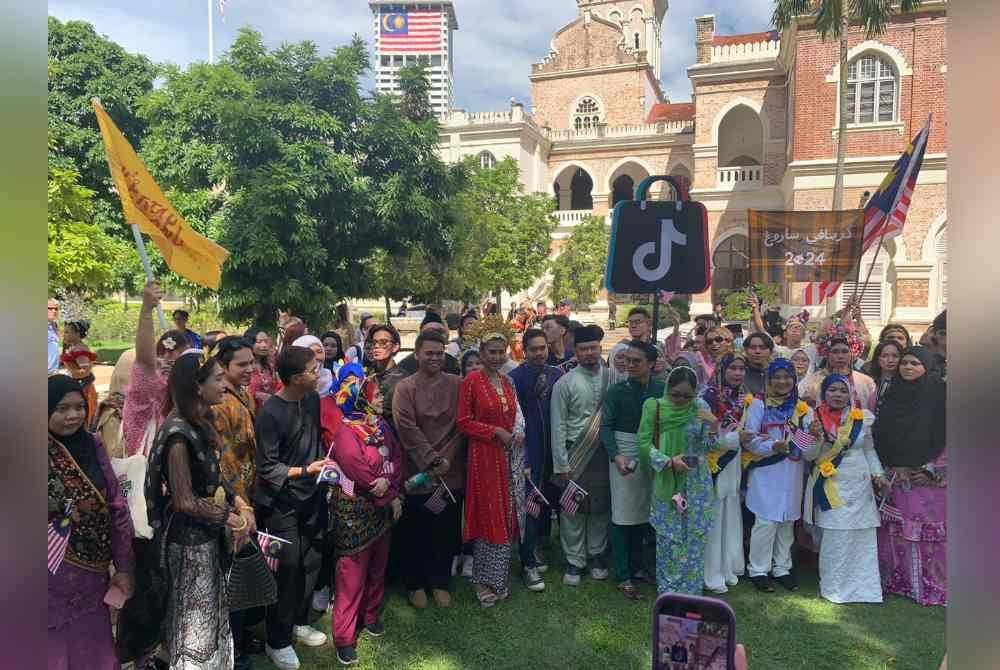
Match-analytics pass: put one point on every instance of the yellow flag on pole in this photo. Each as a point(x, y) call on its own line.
point(192, 256)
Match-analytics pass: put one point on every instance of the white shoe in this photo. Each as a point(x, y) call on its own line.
point(456, 564)
point(467, 567)
point(720, 590)
point(533, 580)
point(284, 658)
point(309, 636)
point(598, 573)
point(732, 582)
point(321, 599)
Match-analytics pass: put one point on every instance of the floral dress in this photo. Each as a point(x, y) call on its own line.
point(681, 537)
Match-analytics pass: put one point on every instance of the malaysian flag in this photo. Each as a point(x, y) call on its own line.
point(886, 211)
point(411, 32)
point(439, 499)
point(59, 531)
point(571, 498)
point(270, 546)
point(332, 474)
point(803, 439)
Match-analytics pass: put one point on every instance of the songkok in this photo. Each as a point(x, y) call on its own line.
point(591, 333)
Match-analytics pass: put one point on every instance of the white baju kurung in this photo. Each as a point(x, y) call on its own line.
point(848, 554)
point(724, 562)
point(774, 495)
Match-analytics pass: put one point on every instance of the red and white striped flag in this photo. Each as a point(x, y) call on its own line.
point(270, 546)
point(803, 439)
point(59, 532)
point(886, 211)
point(332, 474)
point(532, 505)
point(439, 499)
point(403, 32)
point(571, 498)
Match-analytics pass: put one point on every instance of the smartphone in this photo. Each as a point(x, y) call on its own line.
point(693, 632)
point(115, 597)
point(690, 460)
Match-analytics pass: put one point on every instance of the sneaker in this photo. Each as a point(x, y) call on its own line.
point(788, 581)
point(418, 599)
point(598, 569)
point(467, 567)
point(533, 580)
point(629, 590)
point(456, 565)
point(732, 582)
point(284, 658)
point(572, 575)
point(347, 655)
point(441, 598)
point(309, 636)
point(376, 629)
point(540, 563)
point(719, 590)
point(321, 599)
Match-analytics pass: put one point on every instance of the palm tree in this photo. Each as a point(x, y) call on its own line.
point(832, 20)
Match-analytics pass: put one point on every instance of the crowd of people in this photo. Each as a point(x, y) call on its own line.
point(283, 473)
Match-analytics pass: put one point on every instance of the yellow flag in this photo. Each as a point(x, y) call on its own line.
point(192, 256)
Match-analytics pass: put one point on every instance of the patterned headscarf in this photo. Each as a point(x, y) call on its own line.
point(354, 399)
point(349, 382)
point(722, 398)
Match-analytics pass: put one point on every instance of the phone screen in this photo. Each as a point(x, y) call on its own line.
point(693, 635)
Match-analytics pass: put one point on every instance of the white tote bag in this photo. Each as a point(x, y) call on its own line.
point(131, 473)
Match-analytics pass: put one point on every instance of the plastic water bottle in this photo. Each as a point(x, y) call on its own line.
point(416, 481)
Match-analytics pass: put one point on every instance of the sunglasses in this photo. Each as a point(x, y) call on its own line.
point(381, 344)
point(715, 340)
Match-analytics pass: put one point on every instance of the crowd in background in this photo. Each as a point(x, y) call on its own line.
point(231, 481)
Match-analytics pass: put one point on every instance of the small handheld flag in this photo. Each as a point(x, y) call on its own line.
point(270, 546)
point(571, 498)
point(59, 531)
point(803, 439)
point(439, 499)
point(533, 503)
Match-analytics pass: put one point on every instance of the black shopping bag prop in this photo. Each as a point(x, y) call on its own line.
point(658, 245)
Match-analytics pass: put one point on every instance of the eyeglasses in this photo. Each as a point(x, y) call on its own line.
point(681, 396)
point(715, 340)
point(53, 309)
point(633, 361)
point(382, 344)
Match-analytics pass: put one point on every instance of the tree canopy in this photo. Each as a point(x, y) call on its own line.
point(579, 269)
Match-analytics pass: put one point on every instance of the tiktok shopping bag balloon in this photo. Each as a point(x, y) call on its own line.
point(658, 245)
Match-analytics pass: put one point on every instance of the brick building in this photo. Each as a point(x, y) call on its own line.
point(759, 132)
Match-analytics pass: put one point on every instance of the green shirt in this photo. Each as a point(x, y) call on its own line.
point(575, 398)
point(623, 409)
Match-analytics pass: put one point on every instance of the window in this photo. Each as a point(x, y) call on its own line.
point(436, 60)
point(397, 61)
point(424, 60)
point(386, 60)
point(487, 161)
point(587, 115)
point(731, 263)
point(871, 90)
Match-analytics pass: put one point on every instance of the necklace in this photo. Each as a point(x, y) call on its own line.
point(498, 387)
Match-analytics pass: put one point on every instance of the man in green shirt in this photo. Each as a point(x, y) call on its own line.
point(576, 456)
point(630, 489)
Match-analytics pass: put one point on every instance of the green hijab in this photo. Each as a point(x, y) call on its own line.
point(673, 423)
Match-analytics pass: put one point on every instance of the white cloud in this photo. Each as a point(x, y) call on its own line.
point(495, 45)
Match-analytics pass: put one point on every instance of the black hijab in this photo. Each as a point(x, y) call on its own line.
point(910, 428)
point(81, 444)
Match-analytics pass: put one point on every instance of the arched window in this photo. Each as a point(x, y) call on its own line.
point(622, 189)
point(871, 90)
point(636, 36)
point(732, 266)
point(487, 161)
point(587, 114)
point(580, 190)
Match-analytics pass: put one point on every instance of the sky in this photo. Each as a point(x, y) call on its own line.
point(495, 45)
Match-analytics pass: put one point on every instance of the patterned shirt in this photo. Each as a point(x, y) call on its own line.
point(234, 422)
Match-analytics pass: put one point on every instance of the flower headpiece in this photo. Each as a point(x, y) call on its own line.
point(487, 329)
point(169, 343)
point(843, 331)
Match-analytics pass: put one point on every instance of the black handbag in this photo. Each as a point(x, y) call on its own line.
point(250, 583)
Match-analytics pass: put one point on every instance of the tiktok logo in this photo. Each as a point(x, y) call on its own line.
point(669, 235)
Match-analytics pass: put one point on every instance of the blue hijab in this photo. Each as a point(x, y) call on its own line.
point(778, 409)
point(831, 379)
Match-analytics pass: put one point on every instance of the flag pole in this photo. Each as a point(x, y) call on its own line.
point(144, 257)
point(211, 37)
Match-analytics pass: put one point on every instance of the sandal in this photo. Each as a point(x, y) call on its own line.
point(486, 597)
point(629, 590)
point(503, 595)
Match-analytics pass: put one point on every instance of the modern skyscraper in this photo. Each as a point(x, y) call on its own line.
point(407, 33)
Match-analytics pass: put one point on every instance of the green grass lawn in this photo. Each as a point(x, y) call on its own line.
point(594, 627)
point(108, 352)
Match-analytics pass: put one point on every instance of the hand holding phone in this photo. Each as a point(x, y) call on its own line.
point(693, 631)
point(115, 597)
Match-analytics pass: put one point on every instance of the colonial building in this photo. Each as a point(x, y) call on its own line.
point(759, 132)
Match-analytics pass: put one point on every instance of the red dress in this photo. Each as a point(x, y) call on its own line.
point(489, 515)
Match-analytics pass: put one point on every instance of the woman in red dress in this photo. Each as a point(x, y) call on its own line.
point(489, 414)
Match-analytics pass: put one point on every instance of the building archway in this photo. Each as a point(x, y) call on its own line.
point(572, 186)
point(730, 265)
point(581, 188)
point(741, 138)
point(635, 169)
point(623, 188)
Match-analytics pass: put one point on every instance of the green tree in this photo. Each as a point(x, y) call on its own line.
point(833, 18)
point(578, 271)
point(80, 254)
point(298, 175)
point(505, 235)
point(82, 65)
